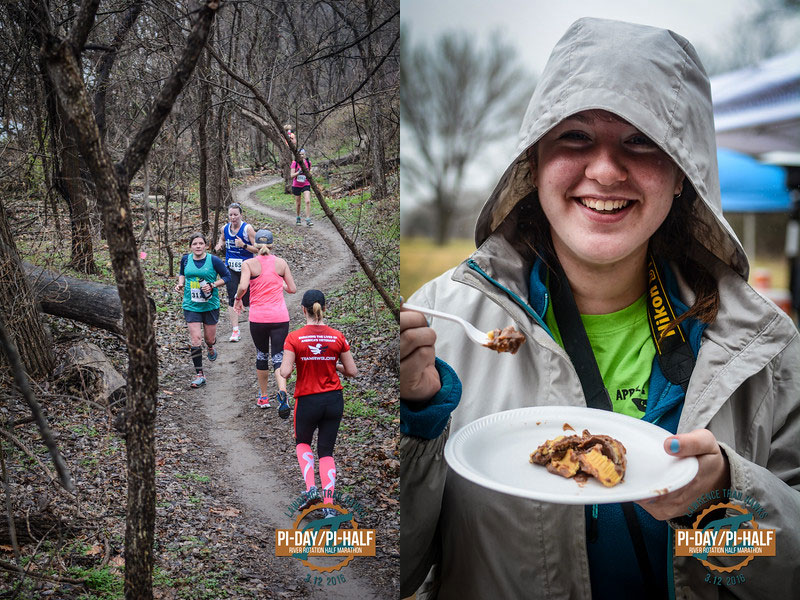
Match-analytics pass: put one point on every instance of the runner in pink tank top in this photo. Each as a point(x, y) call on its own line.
point(266, 293)
point(267, 276)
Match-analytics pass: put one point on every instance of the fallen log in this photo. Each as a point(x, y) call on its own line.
point(81, 300)
point(32, 528)
point(361, 180)
point(86, 367)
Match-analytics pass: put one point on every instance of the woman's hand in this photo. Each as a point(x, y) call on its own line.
point(178, 287)
point(419, 379)
point(239, 243)
point(207, 288)
point(237, 305)
point(713, 473)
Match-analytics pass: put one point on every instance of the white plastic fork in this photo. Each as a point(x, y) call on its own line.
point(473, 333)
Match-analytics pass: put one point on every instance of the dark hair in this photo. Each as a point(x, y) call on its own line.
point(677, 240)
point(528, 231)
point(197, 234)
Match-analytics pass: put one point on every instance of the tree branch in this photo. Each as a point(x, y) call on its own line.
point(350, 45)
point(107, 61)
point(83, 25)
point(21, 379)
point(363, 83)
point(144, 138)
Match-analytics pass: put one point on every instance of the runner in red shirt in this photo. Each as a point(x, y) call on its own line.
point(319, 405)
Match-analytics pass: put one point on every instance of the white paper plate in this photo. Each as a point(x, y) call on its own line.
point(494, 452)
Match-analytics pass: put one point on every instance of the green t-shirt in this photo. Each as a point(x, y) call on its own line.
point(624, 351)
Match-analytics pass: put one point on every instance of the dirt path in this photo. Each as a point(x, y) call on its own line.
point(228, 406)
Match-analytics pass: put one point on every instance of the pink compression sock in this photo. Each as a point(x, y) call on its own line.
point(306, 459)
point(327, 475)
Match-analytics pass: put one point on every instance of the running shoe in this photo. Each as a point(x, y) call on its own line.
point(236, 335)
point(199, 381)
point(212, 354)
point(298, 221)
point(310, 497)
point(327, 513)
point(284, 410)
point(263, 402)
point(309, 223)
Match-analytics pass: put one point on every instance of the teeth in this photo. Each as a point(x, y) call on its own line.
point(604, 205)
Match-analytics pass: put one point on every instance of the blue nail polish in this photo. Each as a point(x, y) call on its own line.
point(674, 446)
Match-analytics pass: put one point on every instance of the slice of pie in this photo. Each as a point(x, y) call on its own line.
point(598, 456)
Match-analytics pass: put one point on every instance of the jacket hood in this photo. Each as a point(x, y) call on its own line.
point(650, 77)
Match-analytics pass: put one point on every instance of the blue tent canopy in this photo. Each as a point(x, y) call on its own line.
point(750, 186)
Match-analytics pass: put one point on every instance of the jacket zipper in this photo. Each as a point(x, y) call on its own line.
point(522, 304)
point(593, 526)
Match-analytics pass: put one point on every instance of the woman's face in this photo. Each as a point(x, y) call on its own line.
point(234, 215)
point(198, 245)
point(604, 186)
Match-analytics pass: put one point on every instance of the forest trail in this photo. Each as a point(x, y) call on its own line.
point(227, 403)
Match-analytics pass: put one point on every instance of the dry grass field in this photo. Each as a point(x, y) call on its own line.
point(421, 260)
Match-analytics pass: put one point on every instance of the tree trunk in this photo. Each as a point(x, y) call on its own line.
point(443, 213)
point(112, 182)
point(202, 137)
point(18, 309)
point(105, 64)
point(74, 191)
point(377, 153)
point(224, 182)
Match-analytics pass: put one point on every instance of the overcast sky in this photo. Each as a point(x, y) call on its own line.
point(534, 26)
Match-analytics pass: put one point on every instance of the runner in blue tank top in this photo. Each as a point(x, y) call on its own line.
point(199, 279)
point(239, 240)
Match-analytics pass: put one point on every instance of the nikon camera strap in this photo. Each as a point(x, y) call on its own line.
point(675, 357)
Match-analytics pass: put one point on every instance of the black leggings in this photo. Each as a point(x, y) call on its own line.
point(319, 411)
point(266, 337)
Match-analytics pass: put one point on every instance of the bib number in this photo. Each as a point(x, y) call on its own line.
point(235, 264)
point(301, 178)
point(196, 293)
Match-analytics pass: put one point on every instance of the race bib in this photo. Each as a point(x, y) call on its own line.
point(235, 264)
point(195, 293)
point(301, 178)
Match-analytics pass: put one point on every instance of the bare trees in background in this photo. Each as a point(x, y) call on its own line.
point(105, 118)
point(773, 28)
point(330, 69)
point(455, 99)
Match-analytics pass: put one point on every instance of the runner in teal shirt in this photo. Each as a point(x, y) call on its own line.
point(199, 279)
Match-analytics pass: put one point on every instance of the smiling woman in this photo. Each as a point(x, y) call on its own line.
point(604, 243)
point(605, 188)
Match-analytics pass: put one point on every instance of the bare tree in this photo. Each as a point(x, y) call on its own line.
point(773, 28)
point(112, 181)
point(454, 100)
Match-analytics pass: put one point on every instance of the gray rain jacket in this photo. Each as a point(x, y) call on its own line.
point(745, 387)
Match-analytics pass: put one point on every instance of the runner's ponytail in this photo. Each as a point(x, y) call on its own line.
point(317, 310)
